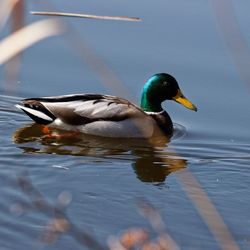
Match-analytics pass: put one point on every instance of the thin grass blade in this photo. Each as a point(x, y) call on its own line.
point(115, 18)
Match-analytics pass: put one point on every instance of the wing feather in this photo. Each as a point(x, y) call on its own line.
point(89, 108)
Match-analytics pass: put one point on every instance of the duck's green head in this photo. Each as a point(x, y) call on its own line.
point(161, 87)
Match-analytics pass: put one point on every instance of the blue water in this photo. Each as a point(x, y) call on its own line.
point(106, 178)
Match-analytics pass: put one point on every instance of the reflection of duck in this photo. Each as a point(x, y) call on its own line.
point(150, 164)
point(111, 116)
point(154, 166)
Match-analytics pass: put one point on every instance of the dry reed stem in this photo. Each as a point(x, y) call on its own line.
point(114, 18)
point(6, 7)
point(106, 75)
point(164, 241)
point(58, 222)
point(12, 67)
point(235, 41)
point(27, 36)
point(207, 210)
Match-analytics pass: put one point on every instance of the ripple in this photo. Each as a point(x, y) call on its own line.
point(114, 170)
point(179, 131)
point(184, 145)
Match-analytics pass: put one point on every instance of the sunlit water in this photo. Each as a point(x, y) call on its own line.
point(105, 177)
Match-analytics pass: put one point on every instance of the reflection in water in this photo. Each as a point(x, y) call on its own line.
point(152, 167)
point(151, 163)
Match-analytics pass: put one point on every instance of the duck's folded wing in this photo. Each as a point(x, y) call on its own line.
point(83, 109)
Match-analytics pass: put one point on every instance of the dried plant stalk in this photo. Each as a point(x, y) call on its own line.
point(207, 210)
point(17, 20)
point(25, 37)
point(235, 41)
point(6, 7)
point(115, 18)
point(58, 223)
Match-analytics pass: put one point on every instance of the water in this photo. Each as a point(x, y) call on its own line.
point(106, 178)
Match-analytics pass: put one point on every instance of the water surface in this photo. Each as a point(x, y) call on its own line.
point(107, 177)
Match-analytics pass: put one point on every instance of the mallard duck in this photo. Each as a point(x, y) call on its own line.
point(111, 116)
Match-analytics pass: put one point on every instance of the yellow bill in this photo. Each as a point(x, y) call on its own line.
point(180, 98)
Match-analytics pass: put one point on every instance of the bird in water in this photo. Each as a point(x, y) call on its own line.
point(111, 116)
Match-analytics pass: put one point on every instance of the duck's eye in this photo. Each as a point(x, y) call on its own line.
point(165, 83)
